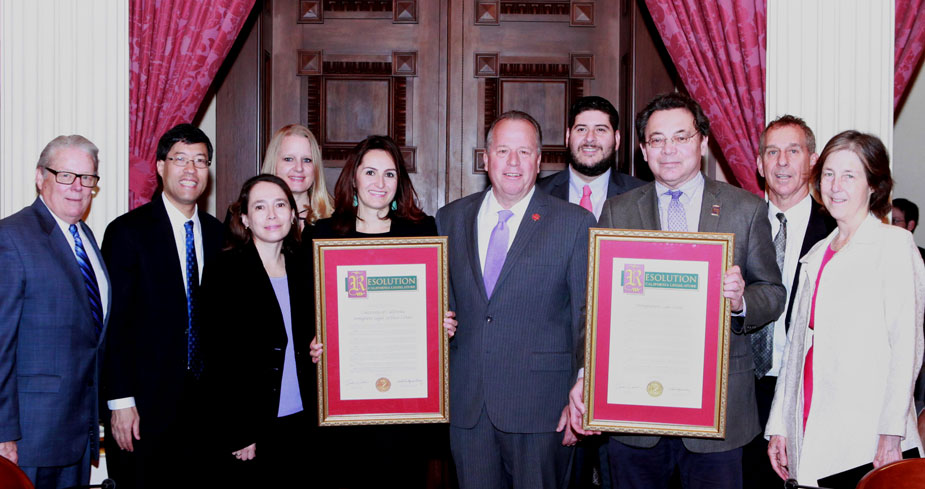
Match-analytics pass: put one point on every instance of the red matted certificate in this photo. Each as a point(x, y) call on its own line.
point(657, 344)
point(379, 307)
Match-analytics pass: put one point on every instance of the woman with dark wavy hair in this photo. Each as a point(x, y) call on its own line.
point(257, 329)
point(374, 197)
point(854, 348)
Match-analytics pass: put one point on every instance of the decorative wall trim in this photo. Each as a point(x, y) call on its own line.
point(400, 110)
point(358, 5)
point(542, 7)
point(56, 79)
point(581, 65)
point(487, 12)
point(404, 63)
point(535, 70)
point(311, 12)
point(582, 14)
point(486, 65)
point(405, 12)
point(310, 63)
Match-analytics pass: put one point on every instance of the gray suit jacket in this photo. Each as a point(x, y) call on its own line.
point(746, 215)
point(50, 351)
point(517, 353)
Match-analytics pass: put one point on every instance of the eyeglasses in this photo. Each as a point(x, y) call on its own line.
point(677, 139)
point(181, 161)
point(67, 178)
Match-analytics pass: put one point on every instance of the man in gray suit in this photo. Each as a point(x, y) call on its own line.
point(518, 264)
point(54, 303)
point(674, 133)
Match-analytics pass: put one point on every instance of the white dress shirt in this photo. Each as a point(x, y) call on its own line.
point(797, 222)
point(598, 190)
point(488, 219)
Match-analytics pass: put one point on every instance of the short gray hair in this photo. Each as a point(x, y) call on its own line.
point(515, 115)
point(72, 141)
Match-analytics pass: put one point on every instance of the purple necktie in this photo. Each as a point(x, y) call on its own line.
point(677, 220)
point(497, 251)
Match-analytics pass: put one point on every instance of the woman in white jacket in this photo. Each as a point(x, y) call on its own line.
point(844, 395)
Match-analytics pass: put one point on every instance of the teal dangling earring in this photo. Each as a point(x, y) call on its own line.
point(394, 205)
point(355, 202)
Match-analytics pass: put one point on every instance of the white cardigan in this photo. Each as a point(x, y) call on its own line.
point(869, 312)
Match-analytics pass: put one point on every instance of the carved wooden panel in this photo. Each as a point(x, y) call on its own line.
point(353, 109)
point(354, 96)
point(543, 90)
point(399, 11)
point(309, 63)
point(405, 12)
point(487, 12)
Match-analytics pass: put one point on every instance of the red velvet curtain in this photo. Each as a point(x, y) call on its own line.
point(718, 48)
point(176, 48)
point(910, 41)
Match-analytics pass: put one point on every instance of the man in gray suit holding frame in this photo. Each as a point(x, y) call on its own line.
point(518, 265)
point(674, 133)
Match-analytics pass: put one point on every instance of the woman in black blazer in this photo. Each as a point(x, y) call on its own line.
point(374, 198)
point(257, 331)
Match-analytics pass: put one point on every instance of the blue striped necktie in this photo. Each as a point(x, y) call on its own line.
point(86, 269)
point(193, 358)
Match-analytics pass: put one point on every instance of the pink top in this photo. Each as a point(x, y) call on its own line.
point(808, 364)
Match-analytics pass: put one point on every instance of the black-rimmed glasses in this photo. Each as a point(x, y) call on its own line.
point(67, 178)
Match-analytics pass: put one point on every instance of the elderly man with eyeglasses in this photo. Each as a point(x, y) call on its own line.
point(54, 307)
point(152, 373)
point(673, 131)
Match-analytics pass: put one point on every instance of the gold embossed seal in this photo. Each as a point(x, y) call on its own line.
point(383, 384)
point(654, 388)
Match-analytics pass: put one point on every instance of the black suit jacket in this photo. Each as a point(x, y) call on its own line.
point(147, 344)
point(557, 184)
point(517, 352)
point(819, 226)
point(244, 340)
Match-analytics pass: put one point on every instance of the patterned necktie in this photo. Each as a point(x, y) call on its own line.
point(497, 251)
point(193, 358)
point(763, 339)
point(586, 198)
point(86, 269)
point(677, 219)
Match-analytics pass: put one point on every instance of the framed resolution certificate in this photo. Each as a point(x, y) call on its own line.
point(657, 340)
point(379, 307)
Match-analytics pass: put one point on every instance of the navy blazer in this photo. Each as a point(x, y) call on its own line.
point(518, 351)
point(557, 184)
point(147, 345)
point(724, 209)
point(50, 350)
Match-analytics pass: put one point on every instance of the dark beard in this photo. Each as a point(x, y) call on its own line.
point(596, 169)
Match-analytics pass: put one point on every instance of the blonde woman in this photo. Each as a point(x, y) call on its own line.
point(295, 156)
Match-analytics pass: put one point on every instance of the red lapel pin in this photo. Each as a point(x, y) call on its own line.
point(536, 217)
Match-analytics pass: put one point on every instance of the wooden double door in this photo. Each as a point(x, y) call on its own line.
point(432, 74)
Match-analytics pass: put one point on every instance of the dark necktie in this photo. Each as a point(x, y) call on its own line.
point(763, 339)
point(86, 269)
point(193, 358)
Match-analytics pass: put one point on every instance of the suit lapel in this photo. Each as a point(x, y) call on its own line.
point(471, 219)
point(525, 233)
point(710, 207)
point(648, 208)
point(560, 189)
point(162, 241)
point(62, 252)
